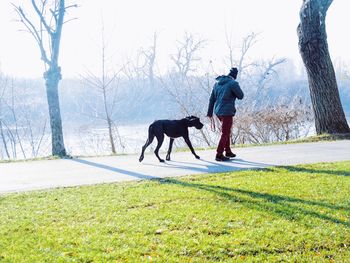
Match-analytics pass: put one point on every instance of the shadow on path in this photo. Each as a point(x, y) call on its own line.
point(114, 169)
point(262, 165)
point(205, 166)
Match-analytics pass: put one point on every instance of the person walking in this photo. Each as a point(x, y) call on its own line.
point(222, 101)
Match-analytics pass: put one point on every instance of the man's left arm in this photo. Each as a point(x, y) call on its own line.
point(237, 91)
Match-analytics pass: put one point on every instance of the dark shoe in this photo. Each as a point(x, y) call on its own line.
point(230, 155)
point(221, 158)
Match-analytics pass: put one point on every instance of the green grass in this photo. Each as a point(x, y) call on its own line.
point(286, 214)
point(51, 157)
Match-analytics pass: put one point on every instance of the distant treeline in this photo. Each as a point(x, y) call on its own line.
point(138, 102)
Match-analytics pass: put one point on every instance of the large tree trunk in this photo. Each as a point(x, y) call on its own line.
point(52, 78)
point(313, 47)
point(49, 31)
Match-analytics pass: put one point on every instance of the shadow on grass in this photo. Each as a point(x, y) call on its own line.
point(276, 204)
point(321, 171)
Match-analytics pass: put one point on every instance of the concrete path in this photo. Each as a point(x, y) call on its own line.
point(34, 175)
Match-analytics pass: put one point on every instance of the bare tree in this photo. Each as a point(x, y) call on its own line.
point(313, 47)
point(240, 61)
point(46, 29)
point(3, 85)
point(267, 69)
point(254, 76)
point(149, 55)
point(16, 134)
point(106, 84)
point(186, 54)
point(21, 135)
point(181, 86)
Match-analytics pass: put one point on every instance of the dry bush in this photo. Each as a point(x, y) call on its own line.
point(272, 124)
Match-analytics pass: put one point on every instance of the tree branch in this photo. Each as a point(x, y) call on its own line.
point(33, 31)
point(41, 16)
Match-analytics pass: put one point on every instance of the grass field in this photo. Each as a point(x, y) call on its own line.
point(286, 214)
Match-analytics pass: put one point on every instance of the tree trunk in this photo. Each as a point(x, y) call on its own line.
point(110, 132)
point(313, 47)
point(52, 78)
point(4, 140)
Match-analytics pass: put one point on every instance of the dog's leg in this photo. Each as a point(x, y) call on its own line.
point(189, 144)
point(160, 138)
point(170, 148)
point(148, 142)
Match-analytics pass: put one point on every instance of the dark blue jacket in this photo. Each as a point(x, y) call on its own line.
point(223, 97)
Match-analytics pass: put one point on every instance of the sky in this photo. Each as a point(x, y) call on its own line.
point(130, 25)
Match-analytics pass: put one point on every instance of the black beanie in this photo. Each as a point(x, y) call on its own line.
point(233, 72)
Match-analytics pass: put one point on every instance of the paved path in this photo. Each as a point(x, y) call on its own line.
point(25, 176)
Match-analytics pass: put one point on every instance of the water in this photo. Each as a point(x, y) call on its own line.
point(128, 140)
point(95, 141)
point(92, 141)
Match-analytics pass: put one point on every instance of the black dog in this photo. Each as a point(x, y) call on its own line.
point(173, 129)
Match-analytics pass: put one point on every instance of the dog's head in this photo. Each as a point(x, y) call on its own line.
point(194, 121)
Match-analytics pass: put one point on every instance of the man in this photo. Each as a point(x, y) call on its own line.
point(222, 101)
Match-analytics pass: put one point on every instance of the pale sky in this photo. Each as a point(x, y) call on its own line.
point(130, 24)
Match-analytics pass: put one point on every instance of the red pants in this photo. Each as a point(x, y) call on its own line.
point(225, 140)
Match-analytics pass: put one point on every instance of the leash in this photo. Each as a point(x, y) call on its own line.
point(212, 124)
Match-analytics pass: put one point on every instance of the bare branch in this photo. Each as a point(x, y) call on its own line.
point(186, 52)
point(248, 42)
point(33, 31)
point(41, 139)
point(41, 16)
point(69, 20)
point(71, 6)
point(92, 79)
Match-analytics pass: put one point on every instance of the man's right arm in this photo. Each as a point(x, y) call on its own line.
point(211, 104)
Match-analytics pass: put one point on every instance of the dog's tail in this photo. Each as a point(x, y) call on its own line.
point(150, 129)
point(150, 134)
point(148, 142)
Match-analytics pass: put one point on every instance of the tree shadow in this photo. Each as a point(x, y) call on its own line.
point(276, 204)
point(205, 166)
point(114, 169)
point(196, 167)
point(263, 165)
point(307, 170)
